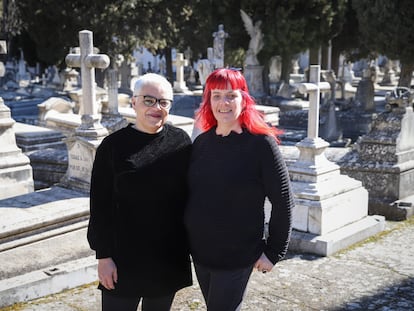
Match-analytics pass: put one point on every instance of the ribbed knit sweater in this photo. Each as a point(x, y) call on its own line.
point(137, 200)
point(229, 179)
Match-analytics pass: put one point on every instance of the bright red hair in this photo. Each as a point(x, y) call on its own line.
point(250, 118)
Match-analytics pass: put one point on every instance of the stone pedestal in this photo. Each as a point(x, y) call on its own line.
point(384, 161)
point(15, 170)
point(254, 78)
point(327, 204)
point(81, 152)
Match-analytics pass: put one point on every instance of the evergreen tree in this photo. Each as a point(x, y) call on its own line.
point(387, 28)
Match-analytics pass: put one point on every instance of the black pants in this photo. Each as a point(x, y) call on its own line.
point(223, 290)
point(115, 303)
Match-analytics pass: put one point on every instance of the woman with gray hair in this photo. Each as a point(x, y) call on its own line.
point(137, 199)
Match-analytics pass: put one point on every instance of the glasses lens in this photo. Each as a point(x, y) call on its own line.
point(165, 103)
point(149, 101)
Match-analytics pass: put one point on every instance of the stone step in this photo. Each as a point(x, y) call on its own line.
point(41, 214)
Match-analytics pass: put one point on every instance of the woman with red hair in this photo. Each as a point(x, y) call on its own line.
point(235, 164)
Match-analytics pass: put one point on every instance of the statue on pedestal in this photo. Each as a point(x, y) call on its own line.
point(256, 38)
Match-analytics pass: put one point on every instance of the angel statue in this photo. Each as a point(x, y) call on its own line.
point(256, 38)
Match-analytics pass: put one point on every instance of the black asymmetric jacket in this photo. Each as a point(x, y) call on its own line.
point(229, 179)
point(137, 200)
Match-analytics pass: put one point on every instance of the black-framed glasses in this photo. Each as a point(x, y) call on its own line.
point(151, 101)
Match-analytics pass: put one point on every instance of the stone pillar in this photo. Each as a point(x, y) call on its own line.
point(331, 209)
point(16, 175)
point(87, 137)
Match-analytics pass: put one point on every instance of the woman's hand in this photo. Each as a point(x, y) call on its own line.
point(107, 273)
point(263, 264)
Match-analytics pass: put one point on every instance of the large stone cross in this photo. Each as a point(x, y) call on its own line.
point(88, 61)
point(314, 88)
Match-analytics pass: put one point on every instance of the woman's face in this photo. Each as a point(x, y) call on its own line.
point(226, 105)
point(151, 119)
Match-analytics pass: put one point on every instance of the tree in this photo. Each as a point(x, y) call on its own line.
point(291, 27)
point(387, 28)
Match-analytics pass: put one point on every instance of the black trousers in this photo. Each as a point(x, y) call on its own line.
point(223, 290)
point(116, 303)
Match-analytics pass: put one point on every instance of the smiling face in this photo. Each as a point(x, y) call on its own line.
point(226, 105)
point(151, 119)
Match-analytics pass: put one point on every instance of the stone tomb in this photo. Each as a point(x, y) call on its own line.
point(330, 209)
point(384, 161)
point(15, 170)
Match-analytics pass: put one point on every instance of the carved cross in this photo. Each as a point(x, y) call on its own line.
point(87, 61)
point(179, 63)
point(314, 88)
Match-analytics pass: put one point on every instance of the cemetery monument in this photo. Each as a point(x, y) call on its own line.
point(331, 209)
point(252, 70)
point(87, 137)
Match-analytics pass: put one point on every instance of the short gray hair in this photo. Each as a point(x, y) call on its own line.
point(152, 78)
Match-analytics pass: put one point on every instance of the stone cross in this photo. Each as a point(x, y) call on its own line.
point(218, 46)
point(180, 62)
point(88, 61)
point(314, 88)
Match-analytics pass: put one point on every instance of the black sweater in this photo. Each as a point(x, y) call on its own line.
point(229, 178)
point(137, 200)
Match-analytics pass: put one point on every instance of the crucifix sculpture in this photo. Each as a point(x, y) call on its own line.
point(88, 61)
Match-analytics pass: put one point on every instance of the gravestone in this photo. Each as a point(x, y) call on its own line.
point(364, 97)
point(330, 209)
point(383, 159)
point(330, 128)
point(218, 46)
point(111, 118)
point(83, 143)
point(15, 171)
point(179, 84)
point(204, 68)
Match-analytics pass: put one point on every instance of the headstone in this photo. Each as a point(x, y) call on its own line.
point(218, 46)
point(16, 176)
point(383, 159)
point(254, 78)
point(329, 124)
point(179, 84)
point(111, 118)
point(71, 79)
point(87, 137)
point(204, 68)
point(364, 96)
point(23, 76)
point(330, 209)
point(389, 73)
